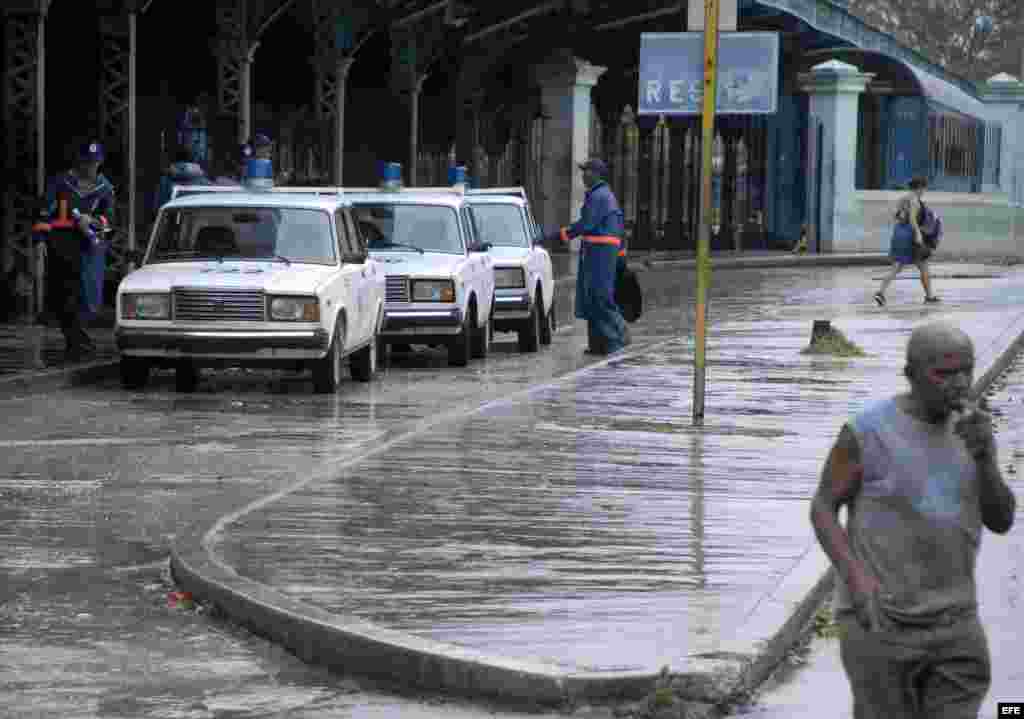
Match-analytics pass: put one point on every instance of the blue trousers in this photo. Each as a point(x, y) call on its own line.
point(595, 297)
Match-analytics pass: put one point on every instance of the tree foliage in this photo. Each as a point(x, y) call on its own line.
point(945, 32)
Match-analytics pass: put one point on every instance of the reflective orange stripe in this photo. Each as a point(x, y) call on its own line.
point(41, 227)
point(602, 240)
point(564, 234)
point(622, 252)
point(63, 224)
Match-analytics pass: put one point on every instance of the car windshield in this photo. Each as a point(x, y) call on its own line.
point(244, 233)
point(399, 227)
point(502, 225)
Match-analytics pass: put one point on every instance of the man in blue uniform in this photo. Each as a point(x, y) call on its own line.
point(79, 204)
point(600, 229)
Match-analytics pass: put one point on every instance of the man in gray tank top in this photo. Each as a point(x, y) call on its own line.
point(919, 476)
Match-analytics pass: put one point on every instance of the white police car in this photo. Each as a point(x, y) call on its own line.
point(244, 277)
point(524, 279)
point(440, 278)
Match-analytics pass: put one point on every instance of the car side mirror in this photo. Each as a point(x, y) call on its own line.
point(354, 259)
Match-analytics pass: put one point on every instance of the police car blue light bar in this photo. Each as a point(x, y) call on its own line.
point(457, 175)
point(391, 176)
point(259, 174)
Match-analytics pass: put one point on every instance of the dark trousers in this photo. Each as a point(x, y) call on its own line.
point(934, 672)
point(595, 297)
point(64, 289)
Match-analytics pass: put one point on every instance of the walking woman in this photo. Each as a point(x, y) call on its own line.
point(908, 246)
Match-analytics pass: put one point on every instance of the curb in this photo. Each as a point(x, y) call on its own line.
point(51, 379)
point(358, 646)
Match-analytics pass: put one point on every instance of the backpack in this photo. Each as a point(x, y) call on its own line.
point(931, 226)
point(628, 294)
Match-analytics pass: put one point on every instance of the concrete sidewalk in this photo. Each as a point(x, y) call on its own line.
point(572, 540)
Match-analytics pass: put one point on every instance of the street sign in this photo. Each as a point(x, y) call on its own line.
point(672, 73)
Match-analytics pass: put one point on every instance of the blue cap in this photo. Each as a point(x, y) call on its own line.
point(598, 166)
point(391, 175)
point(91, 151)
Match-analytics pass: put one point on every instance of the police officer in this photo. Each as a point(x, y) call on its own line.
point(79, 205)
point(244, 155)
point(601, 230)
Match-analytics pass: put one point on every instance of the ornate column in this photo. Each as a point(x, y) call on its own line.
point(835, 89)
point(566, 83)
point(25, 129)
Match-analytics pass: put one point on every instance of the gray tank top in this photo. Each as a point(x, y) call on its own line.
point(916, 522)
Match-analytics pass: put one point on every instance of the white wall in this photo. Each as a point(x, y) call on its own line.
point(974, 225)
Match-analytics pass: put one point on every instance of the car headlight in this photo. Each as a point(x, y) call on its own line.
point(433, 291)
point(507, 278)
point(145, 306)
point(295, 309)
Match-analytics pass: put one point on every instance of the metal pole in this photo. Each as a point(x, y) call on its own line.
point(339, 116)
point(414, 129)
point(39, 265)
point(704, 234)
point(245, 94)
point(41, 103)
point(132, 119)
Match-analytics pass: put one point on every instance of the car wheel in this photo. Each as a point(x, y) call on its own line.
point(460, 348)
point(382, 353)
point(186, 377)
point(364, 363)
point(134, 372)
point(548, 325)
point(327, 371)
point(529, 332)
point(482, 340)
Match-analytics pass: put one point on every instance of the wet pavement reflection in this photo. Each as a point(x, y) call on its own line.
point(96, 480)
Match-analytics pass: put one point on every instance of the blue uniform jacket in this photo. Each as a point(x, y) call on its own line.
point(63, 196)
point(600, 215)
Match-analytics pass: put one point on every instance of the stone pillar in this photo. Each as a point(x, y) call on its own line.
point(566, 83)
point(1003, 96)
point(835, 89)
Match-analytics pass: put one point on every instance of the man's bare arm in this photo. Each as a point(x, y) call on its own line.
point(840, 484)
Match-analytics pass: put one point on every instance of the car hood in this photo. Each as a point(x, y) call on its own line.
point(432, 264)
point(505, 256)
point(268, 276)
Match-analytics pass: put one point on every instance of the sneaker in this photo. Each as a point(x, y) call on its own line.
point(880, 299)
point(933, 299)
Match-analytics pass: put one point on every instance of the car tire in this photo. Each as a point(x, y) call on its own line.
point(548, 326)
point(382, 353)
point(529, 331)
point(134, 372)
point(186, 377)
point(328, 370)
point(482, 340)
point(460, 348)
point(363, 363)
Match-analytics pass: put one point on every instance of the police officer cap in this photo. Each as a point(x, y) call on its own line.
point(91, 151)
point(261, 141)
point(597, 166)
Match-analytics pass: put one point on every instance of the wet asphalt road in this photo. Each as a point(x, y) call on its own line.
point(95, 480)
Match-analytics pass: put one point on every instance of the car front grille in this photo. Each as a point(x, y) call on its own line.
point(220, 305)
point(396, 289)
